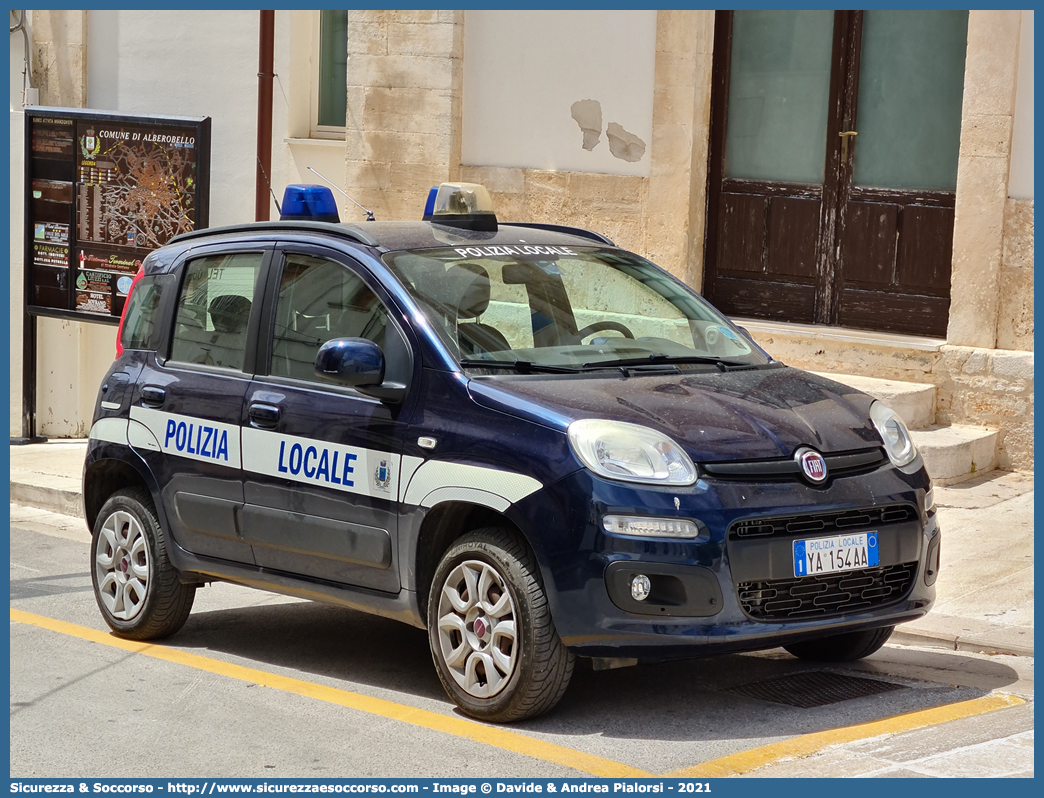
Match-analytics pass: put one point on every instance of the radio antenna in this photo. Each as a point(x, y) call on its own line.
point(369, 213)
point(270, 191)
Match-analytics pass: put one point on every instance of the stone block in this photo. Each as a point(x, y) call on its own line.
point(1017, 365)
point(679, 31)
point(369, 38)
point(496, 179)
point(990, 68)
point(675, 69)
point(986, 135)
point(406, 147)
point(403, 71)
point(977, 240)
point(1015, 314)
point(435, 39)
point(417, 16)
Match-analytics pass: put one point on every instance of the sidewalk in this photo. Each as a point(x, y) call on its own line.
point(985, 588)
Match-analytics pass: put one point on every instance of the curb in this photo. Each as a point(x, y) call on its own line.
point(973, 644)
point(66, 502)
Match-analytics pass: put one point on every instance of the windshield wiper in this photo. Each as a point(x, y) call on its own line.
point(521, 366)
point(656, 359)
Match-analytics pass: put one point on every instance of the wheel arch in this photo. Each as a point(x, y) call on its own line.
point(444, 524)
point(104, 477)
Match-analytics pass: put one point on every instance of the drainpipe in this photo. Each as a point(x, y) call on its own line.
point(265, 69)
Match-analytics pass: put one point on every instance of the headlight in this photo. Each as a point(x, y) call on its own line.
point(630, 452)
point(893, 432)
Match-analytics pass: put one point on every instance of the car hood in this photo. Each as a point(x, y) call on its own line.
point(715, 416)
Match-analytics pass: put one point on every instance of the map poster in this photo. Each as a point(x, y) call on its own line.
point(106, 190)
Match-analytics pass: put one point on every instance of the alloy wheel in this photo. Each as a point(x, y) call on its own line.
point(477, 633)
point(122, 565)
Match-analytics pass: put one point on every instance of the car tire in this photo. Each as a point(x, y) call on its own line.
point(842, 648)
point(492, 637)
point(139, 593)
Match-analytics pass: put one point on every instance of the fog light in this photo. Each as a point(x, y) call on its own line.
point(929, 500)
point(650, 527)
point(640, 587)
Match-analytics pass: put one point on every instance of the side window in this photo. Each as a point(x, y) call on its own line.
point(213, 309)
point(139, 322)
point(320, 299)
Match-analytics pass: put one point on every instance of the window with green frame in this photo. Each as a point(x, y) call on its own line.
point(333, 67)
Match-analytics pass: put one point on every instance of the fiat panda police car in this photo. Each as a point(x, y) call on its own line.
point(534, 444)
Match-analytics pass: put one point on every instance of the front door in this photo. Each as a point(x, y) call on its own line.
point(834, 144)
point(321, 461)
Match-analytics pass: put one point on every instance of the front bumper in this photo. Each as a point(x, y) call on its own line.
point(703, 605)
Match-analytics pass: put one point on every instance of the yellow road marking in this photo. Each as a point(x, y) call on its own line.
point(458, 727)
point(808, 744)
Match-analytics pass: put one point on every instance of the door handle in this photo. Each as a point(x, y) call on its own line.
point(262, 415)
point(153, 396)
point(845, 136)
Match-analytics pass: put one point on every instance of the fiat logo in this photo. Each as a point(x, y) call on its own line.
point(813, 466)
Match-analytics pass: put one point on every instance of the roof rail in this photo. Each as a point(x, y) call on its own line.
point(561, 228)
point(331, 228)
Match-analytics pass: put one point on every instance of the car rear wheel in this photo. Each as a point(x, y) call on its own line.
point(842, 648)
point(138, 591)
point(494, 643)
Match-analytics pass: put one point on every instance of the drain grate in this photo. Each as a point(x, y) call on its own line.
point(812, 689)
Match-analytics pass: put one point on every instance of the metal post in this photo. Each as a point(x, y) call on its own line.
point(265, 69)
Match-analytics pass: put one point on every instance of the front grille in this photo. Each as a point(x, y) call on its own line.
point(826, 595)
point(816, 523)
point(839, 464)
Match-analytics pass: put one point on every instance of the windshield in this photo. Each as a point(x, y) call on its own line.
point(565, 308)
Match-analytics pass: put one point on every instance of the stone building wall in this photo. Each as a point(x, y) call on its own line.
point(1015, 317)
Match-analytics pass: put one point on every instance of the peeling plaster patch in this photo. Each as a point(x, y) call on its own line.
point(625, 146)
point(588, 114)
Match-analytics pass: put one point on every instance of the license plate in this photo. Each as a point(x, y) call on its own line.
point(834, 554)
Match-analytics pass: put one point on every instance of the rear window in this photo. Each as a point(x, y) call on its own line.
point(139, 321)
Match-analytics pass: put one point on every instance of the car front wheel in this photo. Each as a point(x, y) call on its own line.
point(494, 643)
point(139, 592)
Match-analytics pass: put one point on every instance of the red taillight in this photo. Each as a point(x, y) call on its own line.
point(123, 316)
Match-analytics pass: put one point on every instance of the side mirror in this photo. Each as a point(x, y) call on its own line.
point(357, 363)
point(354, 362)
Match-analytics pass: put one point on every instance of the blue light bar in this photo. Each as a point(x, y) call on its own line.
point(429, 206)
point(309, 203)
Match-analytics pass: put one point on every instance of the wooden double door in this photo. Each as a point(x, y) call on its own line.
point(833, 166)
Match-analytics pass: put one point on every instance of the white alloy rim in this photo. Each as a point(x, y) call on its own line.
point(477, 634)
point(121, 565)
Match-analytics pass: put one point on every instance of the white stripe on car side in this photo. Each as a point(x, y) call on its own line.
point(428, 485)
point(191, 437)
point(112, 430)
point(351, 469)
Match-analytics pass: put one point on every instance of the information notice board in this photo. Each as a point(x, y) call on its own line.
point(102, 190)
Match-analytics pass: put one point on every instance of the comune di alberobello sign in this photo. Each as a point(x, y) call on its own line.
point(102, 190)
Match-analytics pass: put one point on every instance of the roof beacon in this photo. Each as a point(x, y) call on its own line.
point(309, 203)
point(464, 205)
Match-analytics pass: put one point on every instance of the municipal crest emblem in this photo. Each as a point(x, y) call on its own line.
point(89, 144)
point(382, 476)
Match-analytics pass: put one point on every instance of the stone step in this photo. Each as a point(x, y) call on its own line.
point(954, 454)
point(913, 401)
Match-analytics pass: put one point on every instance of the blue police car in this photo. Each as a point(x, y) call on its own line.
point(532, 443)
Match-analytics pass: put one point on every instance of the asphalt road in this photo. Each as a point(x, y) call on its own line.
point(258, 685)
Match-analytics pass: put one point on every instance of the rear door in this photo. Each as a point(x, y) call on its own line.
point(188, 400)
point(321, 461)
